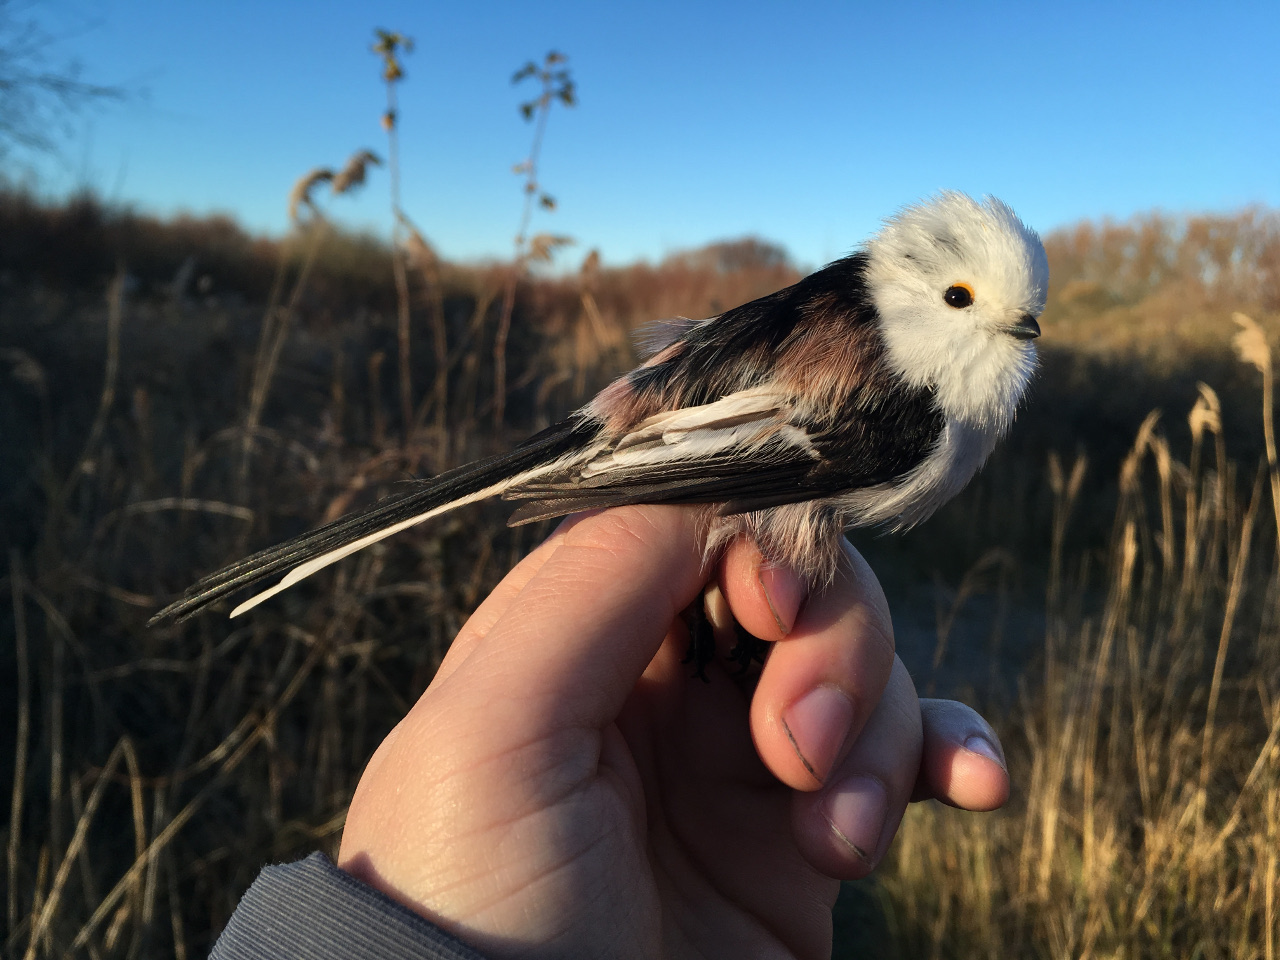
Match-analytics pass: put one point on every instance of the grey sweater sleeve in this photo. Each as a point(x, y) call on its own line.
point(312, 909)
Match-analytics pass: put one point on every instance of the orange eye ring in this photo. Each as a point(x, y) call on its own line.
point(959, 295)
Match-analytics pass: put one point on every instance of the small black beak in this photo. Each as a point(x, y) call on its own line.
point(1025, 329)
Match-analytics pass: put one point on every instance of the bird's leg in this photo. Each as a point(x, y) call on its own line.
point(711, 626)
point(747, 650)
point(702, 639)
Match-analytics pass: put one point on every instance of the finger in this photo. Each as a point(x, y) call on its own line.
point(501, 597)
point(844, 829)
point(582, 629)
point(765, 598)
point(963, 763)
point(822, 682)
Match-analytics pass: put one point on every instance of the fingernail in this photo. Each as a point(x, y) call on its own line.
point(784, 592)
point(856, 809)
point(817, 725)
point(985, 748)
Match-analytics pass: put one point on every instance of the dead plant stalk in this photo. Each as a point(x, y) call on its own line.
point(556, 85)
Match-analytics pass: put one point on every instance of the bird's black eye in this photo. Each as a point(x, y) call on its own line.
point(959, 295)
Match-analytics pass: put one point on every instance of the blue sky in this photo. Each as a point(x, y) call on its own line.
point(804, 123)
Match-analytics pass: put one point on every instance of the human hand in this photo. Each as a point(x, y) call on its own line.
point(564, 787)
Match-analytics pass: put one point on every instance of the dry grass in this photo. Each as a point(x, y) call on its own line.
point(1147, 755)
point(153, 433)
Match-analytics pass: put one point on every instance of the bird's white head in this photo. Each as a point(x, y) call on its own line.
point(958, 285)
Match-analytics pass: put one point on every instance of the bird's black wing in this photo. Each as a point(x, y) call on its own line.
point(745, 452)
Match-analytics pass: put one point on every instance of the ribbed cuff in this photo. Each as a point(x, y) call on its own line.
point(311, 909)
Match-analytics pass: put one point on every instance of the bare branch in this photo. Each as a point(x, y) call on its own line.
point(38, 96)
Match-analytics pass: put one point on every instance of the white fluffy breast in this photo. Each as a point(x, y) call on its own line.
point(959, 454)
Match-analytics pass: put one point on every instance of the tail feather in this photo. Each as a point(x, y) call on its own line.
point(315, 550)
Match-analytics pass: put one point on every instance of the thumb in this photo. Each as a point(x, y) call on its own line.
point(576, 638)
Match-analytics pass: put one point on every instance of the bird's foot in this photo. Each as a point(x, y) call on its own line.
point(747, 650)
point(702, 639)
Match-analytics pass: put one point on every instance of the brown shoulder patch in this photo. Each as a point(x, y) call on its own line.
point(829, 357)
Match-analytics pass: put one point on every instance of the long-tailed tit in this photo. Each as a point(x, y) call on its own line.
point(869, 393)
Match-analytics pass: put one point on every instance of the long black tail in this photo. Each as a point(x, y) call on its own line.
point(429, 497)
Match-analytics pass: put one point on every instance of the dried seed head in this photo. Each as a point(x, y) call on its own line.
point(300, 195)
point(1129, 469)
point(386, 45)
point(1206, 414)
point(543, 245)
point(1251, 343)
point(353, 174)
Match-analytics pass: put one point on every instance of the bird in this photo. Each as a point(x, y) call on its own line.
point(867, 394)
